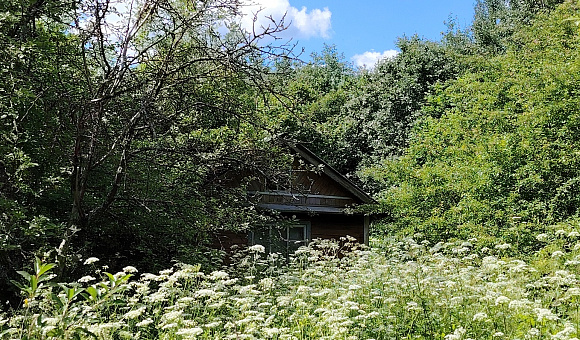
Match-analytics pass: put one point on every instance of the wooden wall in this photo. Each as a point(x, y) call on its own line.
point(331, 227)
point(337, 226)
point(305, 200)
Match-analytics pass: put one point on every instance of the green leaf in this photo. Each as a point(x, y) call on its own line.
point(57, 300)
point(93, 292)
point(45, 268)
point(18, 284)
point(111, 279)
point(24, 274)
point(33, 283)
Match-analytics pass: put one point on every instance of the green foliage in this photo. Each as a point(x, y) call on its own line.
point(350, 117)
point(496, 21)
point(115, 139)
point(504, 146)
point(400, 288)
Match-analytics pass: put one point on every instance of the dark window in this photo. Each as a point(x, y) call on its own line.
point(284, 240)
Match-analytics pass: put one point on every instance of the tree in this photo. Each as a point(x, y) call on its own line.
point(497, 155)
point(121, 118)
point(495, 21)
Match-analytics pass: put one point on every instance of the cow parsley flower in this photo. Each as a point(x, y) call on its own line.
point(257, 248)
point(86, 279)
point(545, 314)
point(502, 300)
point(480, 317)
point(91, 260)
point(190, 333)
point(134, 314)
point(267, 283)
point(166, 271)
point(205, 293)
point(503, 246)
point(130, 270)
point(457, 334)
point(219, 275)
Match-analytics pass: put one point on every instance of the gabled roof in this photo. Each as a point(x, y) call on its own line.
point(339, 178)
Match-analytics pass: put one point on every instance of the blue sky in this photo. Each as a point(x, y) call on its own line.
point(365, 29)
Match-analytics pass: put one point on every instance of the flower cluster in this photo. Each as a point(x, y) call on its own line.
point(399, 288)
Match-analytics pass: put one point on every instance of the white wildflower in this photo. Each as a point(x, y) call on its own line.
point(219, 275)
point(130, 270)
point(148, 277)
point(172, 316)
point(271, 332)
point(257, 248)
point(190, 333)
point(545, 314)
point(413, 306)
point(503, 246)
point(520, 304)
point(500, 300)
point(267, 283)
point(479, 317)
point(560, 232)
point(166, 271)
point(157, 297)
point(565, 333)
point(542, 237)
point(86, 279)
point(557, 253)
point(498, 334)
point(91, 260)
point(457, 334)
point(214, 324)
point(134, 314)
point(573, 234)
point(283, 300)
point(204, 293)
point(303, 289)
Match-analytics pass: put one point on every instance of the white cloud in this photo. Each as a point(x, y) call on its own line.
point(370, 58)
point(304, 23)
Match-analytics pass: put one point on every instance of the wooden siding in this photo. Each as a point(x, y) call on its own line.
point(303, 183)
point(282, 197)
point(331, 227)
point(336, 226)
point(310, 182)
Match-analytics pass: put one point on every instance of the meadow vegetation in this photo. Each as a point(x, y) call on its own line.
point(400, 288)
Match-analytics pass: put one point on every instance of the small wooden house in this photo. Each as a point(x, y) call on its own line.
point(317, 204)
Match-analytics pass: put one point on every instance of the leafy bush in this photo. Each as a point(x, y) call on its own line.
point(504, 147)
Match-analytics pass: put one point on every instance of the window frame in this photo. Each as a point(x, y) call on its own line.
point(278, 237)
